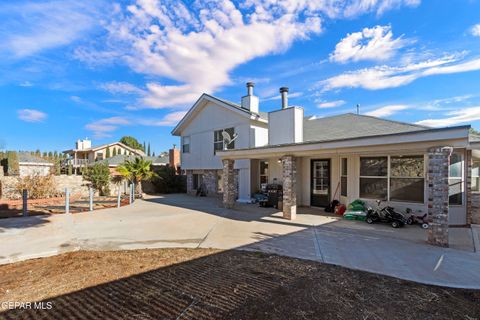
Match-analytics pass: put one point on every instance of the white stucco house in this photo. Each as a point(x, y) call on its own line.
point(407, 165)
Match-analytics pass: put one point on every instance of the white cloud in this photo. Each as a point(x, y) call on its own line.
point(44, 25)
point(26, 84)
point(383, 77)
point(378, 6)
point(387, 110)
point(103, 127)
point(195, 48)
point(278, 96)
point(330, 104)
point(465, 115)
point(31, 115)
point(375, 43)
point(475, 30)
point(115, 87)
point(170, 119)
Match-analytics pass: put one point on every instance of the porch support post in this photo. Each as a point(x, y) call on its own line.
point(468, 186)
point(229, 186)
point(289, 187)
point(438, 165)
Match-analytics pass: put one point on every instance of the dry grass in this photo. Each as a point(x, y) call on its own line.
point(211, 284)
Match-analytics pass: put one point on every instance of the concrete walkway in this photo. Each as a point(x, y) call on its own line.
point(184, 221)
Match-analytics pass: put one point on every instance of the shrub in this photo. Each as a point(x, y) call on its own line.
point(99, 177)
point(167, 181)
point(38, 187)
point(10, 163)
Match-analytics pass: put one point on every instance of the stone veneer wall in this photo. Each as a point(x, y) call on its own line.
point(475, 213)
point(468, 186)
point(75, 184)
point(34, 170)
point(210, 179)
point(438, 164)
point(289, 189)
point(229, 185)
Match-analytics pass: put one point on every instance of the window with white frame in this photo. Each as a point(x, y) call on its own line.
point(343, 177)
point(186, 144)
point(407, 178)
point(476, 175)
point(374, 178)
point(455, 179)
point(394, 178)
point(218, 142)
point(263, 172)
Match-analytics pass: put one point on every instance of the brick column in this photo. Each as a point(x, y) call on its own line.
point(229, 186)
point(189, 174)
point(468, 186)
point(438, 165)
point(289, 185)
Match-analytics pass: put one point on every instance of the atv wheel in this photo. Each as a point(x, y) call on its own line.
point(409, 221)
point(395, 224)
point(369, 220)
point(425, 225)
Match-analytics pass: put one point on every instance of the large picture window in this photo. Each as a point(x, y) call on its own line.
point(395, 178)
point(374, 178)
point(407, 179)
point(455, 179)
point(218, 143)
point(344, 177)
point(186, 144)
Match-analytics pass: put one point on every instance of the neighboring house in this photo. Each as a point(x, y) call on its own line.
point(84, 153)
point(115, 161)
point(30, 165)
point(435, 170)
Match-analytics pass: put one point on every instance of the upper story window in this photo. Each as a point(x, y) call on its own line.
point(186, 144)
point(218, 142)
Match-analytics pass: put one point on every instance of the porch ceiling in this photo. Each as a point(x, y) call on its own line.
point(398, 143)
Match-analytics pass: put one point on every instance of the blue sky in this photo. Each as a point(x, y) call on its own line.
point(104, 69)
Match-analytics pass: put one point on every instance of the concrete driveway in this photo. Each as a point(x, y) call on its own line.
point(185, 221)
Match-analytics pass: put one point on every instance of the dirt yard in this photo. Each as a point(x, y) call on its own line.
point(211, 284)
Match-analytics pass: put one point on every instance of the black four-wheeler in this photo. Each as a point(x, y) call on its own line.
point(386, 214)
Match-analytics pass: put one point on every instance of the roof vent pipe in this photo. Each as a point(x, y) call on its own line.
point(250, 86)
point(284, 93)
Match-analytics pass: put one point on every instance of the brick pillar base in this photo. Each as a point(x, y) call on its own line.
point(229, 186)
point(289, 185)
point(438, 164)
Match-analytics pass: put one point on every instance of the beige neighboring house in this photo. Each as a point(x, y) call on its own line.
point(84, 153)
point(30, 165)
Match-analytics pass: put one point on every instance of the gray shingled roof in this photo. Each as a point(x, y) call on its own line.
point(26, 157)
point(350, 125)
point(120, 158)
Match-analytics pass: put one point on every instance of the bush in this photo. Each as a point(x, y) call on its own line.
point(38, 187)
point(167, 181)
point(99, 176)
point(10, 163)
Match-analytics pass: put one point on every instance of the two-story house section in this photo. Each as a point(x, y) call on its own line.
point(201, 138)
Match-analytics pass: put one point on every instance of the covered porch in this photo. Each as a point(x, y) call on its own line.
point(437, 180)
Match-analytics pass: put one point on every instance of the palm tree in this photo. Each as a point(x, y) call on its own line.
point(136, 171)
